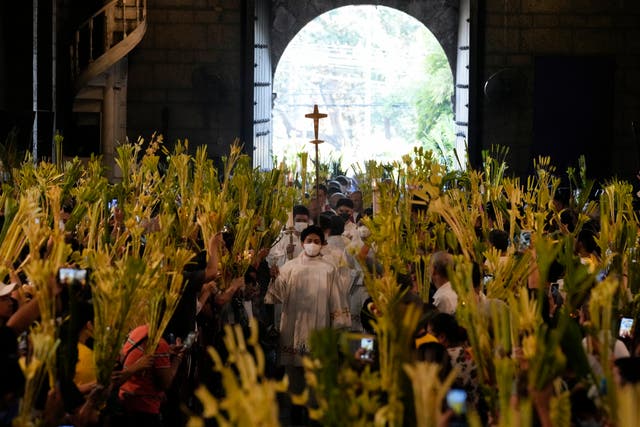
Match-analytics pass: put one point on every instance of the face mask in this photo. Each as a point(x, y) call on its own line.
point(363, 232)
point(312, 249)
point(300, 226)
point(345, 216)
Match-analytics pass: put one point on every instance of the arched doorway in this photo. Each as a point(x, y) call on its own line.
point(380, 75)
point(277, 23)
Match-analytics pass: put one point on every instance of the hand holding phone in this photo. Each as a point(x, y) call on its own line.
point(366, 344)
point(626, 328)
point(457, 401)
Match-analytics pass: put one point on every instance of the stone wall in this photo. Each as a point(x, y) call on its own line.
point(185, 78)
point(189, 77)
point(519, 31)
point(439, 16)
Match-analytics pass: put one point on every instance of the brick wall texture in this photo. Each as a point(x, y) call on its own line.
point(185, 77)
point(517, 31)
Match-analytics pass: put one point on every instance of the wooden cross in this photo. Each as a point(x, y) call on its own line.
point(316, 116)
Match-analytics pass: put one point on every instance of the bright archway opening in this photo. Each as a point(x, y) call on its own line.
point(380, 75)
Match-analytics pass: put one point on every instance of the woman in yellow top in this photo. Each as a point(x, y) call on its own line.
point(85, 378)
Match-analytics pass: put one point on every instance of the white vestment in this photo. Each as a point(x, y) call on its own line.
point(308, 289)
point(277, 256)
point(445, 299)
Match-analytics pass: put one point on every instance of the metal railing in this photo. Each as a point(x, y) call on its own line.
point(104, 29)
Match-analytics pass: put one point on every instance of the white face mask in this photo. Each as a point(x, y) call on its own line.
point(364, 232)
point(312, 249)
point(300, 226)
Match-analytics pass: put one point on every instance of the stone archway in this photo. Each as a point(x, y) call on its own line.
point(439, 16)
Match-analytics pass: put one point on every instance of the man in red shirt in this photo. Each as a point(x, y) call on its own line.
point(146, 377)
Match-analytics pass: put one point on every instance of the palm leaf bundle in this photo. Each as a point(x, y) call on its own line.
point(600, 336)
point(165, 288)
point(428, 391)
point(115, 287)
point(250, 398)
point(394, 328)
point(15, 238)
point(35, 367)
point(89, 190)
point(181, 195)
point(217, 207)
point(628, 410)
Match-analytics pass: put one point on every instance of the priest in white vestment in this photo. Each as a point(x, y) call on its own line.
point(308, 287)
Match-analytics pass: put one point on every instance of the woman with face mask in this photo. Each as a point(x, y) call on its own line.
point(308, 289)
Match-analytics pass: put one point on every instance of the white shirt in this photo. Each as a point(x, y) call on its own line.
point(445, 299)
point(277, 256)
point(309, 291)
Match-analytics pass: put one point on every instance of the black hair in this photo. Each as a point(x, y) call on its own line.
point(587, 237)
point(336, 225)
point(562, 195)
point(447, 325)
point(324, 221)
point(404, 281)
point(312, 229)
point(629, 368)
point(499, 239)
point(476, 276)
point(300, 210)
point(345, 202)
point(556, 271)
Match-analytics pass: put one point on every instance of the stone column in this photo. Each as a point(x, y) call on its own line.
point(109, 121)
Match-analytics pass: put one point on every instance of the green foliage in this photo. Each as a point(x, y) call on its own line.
point(380, 75)
point(434, 107)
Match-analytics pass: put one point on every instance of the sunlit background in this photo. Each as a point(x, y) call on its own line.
point(380, 75)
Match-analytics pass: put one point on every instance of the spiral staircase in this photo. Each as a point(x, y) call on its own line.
point(99, 71)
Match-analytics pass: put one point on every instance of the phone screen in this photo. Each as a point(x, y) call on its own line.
point(367, 345)
point(626, 327)
point(72, 275)
point(457, 401)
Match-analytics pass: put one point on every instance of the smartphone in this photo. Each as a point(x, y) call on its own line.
point(457, 401)
point(626, 327)
point(366, 344)
point(68, 276)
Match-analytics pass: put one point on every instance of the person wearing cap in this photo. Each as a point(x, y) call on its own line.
point(8, 305)
point(333, 200)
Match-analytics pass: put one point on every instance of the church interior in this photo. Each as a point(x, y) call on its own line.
point(552, 77)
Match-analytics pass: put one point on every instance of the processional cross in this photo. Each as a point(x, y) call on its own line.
point(316, 116)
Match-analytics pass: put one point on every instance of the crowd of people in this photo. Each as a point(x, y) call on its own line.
point(313, 277)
